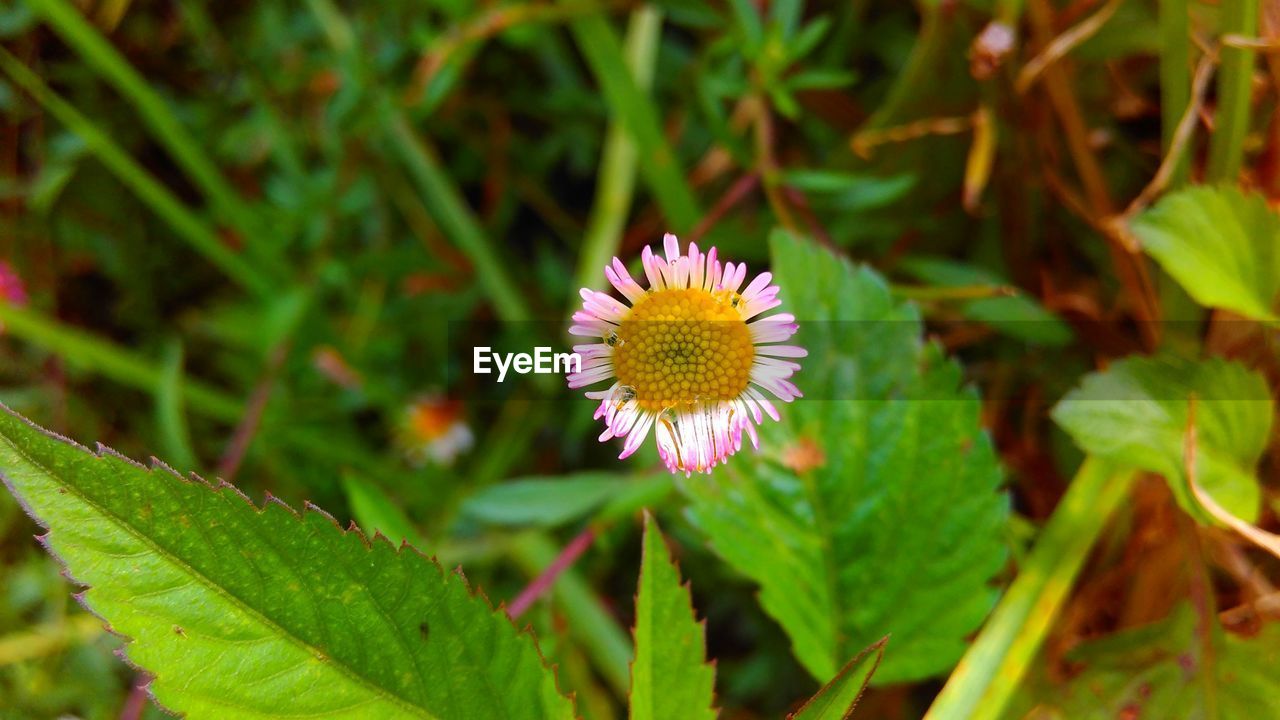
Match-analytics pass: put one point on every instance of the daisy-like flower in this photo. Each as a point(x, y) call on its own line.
point(432, 429)
point(688, 357)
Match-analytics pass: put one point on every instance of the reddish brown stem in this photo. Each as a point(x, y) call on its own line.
point(136, 702)
point(731, 197)
point(547, 578)
point(229, 465)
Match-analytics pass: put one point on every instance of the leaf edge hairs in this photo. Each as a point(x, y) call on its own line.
point(701, 297)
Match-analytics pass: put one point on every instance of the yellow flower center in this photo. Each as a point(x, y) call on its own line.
point(682, 347)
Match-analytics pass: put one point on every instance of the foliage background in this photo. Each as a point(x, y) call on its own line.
point(247, 230)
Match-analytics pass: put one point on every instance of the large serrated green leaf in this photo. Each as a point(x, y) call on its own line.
point(670, 677)
point(898, 530)
point(1220, 244)
point(1171, 670)
point(1136, 414)
point(248, 613)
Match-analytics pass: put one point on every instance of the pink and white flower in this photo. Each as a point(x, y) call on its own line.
point(691, 356)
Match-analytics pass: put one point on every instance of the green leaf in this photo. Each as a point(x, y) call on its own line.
point(670, 677)
point(1221, 245)
point(1168, 670)
point(820, 79)
point(262, 613)
point(171, 415)
point(896, 525)
point(747, 18)
point(837, 699)
point(543, 501)
point(1135, 413)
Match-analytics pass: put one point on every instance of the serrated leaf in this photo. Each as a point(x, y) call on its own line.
point(874, 507)
point(265, 613)
point(1220, 244)
point(837, 699)
point(1135, 413)
point(1165, 670)
point(670, 677)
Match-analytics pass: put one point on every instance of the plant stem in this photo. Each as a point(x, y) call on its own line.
point(189, 226)
point(546, 579)
point(991, 670)
point(99, 55)
point(637, 113)
point(766, 165)
point(1235, 85)
point(617, 176)
point(1175, 78)
point(605, 642)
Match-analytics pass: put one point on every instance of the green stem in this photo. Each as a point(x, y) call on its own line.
point(617, 177)
point(991, 670)
point(184, 222)
point(99, 55)
point(1175, 78)
point(1235, 85)
point(636, 112)
point(604, 641)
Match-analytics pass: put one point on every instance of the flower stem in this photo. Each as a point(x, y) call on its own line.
point(605, 642)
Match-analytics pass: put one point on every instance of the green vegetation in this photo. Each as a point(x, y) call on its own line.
point(1030, 247)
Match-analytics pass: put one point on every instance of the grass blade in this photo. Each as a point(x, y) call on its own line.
point(1235, 85)
point(990, 672)
point(636, 112)
point(616, 181)
point(155, 112)
point(189, 226)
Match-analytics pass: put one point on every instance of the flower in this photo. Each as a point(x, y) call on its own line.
point(685, 356)
point(432, 429)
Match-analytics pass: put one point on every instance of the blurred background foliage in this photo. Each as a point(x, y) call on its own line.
point(239, 235)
